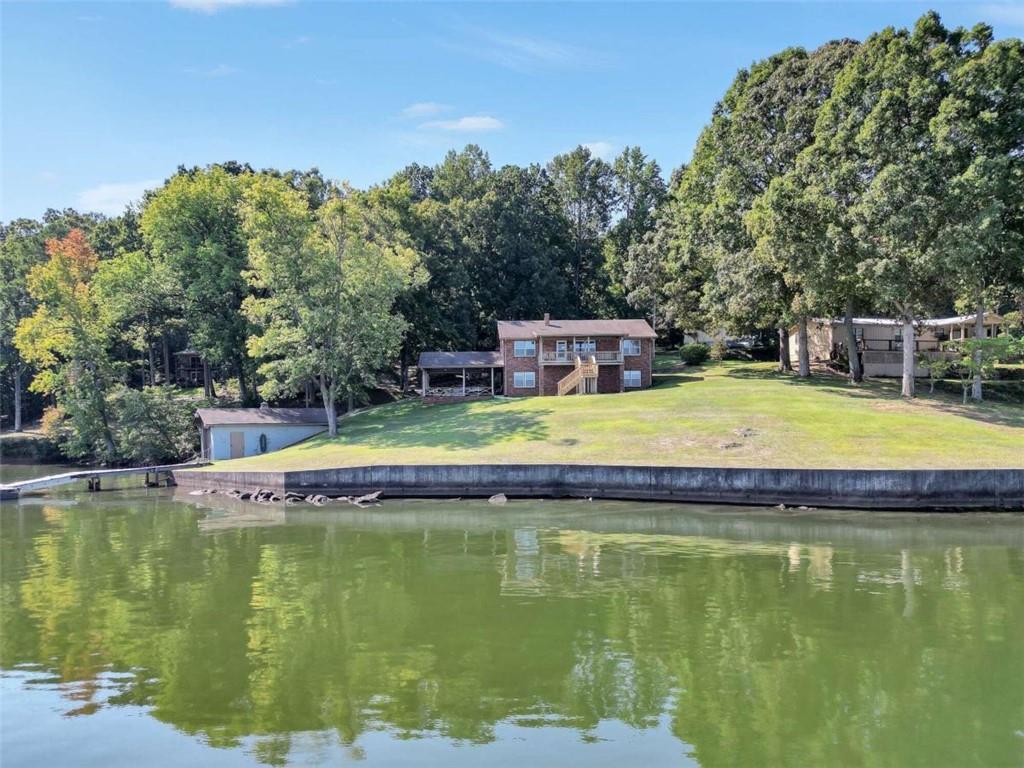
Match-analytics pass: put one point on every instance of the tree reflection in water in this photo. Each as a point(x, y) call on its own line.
point(767, 646)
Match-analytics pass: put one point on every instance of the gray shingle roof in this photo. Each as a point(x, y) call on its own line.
point(528, 329)
point(265, 416)
point(460, 360)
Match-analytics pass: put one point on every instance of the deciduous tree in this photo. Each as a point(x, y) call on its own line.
point(327, 283)
point(66, 339)
point(192, 224)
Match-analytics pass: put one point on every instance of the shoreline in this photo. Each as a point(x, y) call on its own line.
point(870, 489)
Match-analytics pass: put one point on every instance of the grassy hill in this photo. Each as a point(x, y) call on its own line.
point(729, 414)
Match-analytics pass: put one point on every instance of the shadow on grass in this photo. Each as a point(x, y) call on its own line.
point(878, 389)
point(665, 380)
point(456, 427)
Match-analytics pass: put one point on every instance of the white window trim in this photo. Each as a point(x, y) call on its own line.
point(639, 348)
point(517, 353)
point(527, 376)
point(626, 379)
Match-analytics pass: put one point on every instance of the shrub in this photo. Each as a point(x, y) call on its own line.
point(152, 425)
point(719, 351)
point(694, 354)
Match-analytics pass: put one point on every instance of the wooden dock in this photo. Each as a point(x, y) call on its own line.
point(154, 476)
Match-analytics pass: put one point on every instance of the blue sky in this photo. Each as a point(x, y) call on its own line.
point(101, 100)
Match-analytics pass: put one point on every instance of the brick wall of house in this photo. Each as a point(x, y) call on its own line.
point(513, 364)
point(648, 349)
point(552, 374)
point(609, 377)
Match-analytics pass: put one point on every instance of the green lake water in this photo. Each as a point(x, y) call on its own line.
point(140, 628)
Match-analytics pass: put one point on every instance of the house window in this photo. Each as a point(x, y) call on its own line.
point(630, 347)
point(585, 347)
point(631, 378)
point(526, 348)
point(524, 379)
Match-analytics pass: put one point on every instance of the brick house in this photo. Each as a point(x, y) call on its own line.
point(546, 357)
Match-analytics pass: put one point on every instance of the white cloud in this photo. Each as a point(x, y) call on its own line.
point(603, 149)
point(472, 124)
point(1011, 14)
point(112, 198)
point(221, 70)
point(524, 53)
point(424, 109)
point(212, 6)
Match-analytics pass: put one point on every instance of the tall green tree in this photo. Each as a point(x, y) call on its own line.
point(639, 191)
point(143, 302)
point(21, 248)
point(327, 284)
point(979, 134)
point(775, 126)
point(883, 107)
point(462, 175)
point(763, 123)
point(585, 187)
point(523, 249)
point(192, 224)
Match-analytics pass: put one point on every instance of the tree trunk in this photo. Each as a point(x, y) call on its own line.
point(100, 401)
point(152, 366)
point(17, 396)
point(207, 380)
point(243, 386)
point(328, 395)
point(785, 364)
point(405, 375)
point(979, 333)
point(167, 361)
point(802, 351)
point(308, 387)
point(856, 372)
point(351, 403)
point(907, 390)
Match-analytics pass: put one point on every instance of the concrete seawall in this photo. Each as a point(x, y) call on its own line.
point(850, 488)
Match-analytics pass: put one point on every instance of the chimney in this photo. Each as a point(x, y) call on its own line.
point(547, 318)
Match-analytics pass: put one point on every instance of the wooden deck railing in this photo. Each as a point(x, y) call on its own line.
point(569, 358)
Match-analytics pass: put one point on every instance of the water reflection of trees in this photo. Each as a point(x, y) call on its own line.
point(770, 654)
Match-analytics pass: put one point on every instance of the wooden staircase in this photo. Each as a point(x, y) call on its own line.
point(584, 370)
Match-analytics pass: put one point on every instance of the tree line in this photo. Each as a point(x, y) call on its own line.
point(290, 285)
point(877, 177)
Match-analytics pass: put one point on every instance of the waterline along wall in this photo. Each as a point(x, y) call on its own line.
point(851, 488)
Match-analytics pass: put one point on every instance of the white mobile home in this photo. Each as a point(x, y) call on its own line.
point(231, 433)
point(880, 340)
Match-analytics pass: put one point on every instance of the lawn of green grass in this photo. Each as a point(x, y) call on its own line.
point(726, 414)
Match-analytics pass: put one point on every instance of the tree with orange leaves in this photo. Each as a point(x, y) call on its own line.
point(67, 340)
